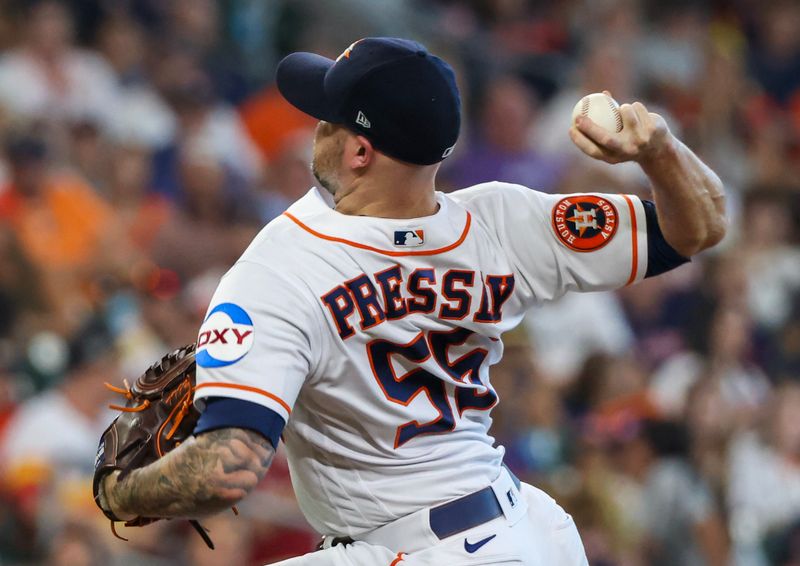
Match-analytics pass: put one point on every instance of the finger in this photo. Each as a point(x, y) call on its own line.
point(630, 120)
point(587, 146)
point(598, 134)
point(642, 113)
point(648, 121)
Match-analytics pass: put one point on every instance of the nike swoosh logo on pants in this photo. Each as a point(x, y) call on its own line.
point(475, 546)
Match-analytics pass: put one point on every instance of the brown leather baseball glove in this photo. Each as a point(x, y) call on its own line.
point(156, 418)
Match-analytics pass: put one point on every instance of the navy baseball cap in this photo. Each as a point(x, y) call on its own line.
point(392, 91)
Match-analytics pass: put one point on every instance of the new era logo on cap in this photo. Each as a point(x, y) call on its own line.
point(409, 238)
point(361, 120)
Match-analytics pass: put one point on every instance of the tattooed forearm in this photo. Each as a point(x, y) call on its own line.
point(203, 476)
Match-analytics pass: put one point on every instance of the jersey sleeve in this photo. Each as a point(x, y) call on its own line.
point(255, 346)
point(559, 243)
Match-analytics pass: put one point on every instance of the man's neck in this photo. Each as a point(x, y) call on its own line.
point(400, 197)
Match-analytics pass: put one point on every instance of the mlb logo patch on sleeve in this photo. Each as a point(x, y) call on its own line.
point(225, 336)
point(409, 238)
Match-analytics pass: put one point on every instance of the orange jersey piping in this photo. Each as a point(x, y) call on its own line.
point(390, 253)
point(634, 241)
point(267, 394)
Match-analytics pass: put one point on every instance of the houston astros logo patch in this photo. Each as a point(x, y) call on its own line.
point(225, 336)
point(584, 223)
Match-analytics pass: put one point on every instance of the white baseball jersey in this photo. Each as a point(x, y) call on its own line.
point(373, 338)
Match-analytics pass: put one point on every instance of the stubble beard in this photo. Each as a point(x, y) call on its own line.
point(324, 180)
point(324, 164)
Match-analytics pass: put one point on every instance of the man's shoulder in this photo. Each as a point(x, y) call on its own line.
point(283, 250)
point(281, 236)
point(277, 244)
point(490, 191)
point(495, 197)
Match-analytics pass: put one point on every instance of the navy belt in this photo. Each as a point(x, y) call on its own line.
point(461, 514)
point(467, 512)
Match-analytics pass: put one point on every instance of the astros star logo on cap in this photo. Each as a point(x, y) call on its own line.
point(346, 53)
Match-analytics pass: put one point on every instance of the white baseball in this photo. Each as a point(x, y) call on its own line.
point(602, 109)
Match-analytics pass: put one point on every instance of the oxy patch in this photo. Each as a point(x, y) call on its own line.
point(225, 336)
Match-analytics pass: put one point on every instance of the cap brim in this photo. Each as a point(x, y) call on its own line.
point(301, 80)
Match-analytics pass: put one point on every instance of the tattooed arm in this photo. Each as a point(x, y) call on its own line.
point(203, 476)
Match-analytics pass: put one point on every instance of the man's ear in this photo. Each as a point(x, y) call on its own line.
point(359, 152)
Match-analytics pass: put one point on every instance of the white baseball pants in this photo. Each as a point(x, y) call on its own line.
point(537, 533)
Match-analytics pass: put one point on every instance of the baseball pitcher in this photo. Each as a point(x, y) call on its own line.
point(361, 325)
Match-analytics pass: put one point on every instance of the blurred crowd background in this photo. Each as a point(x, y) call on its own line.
point(143, 144)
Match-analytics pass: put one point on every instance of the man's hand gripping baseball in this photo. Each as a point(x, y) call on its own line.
point(690, 201)
point(642, 136)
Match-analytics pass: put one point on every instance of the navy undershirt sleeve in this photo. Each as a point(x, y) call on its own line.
point(226, 412)
point(661, 257)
